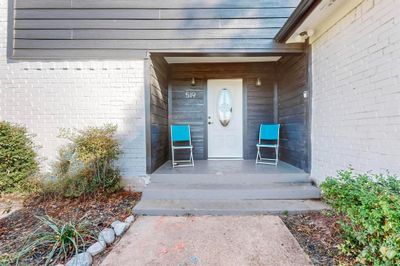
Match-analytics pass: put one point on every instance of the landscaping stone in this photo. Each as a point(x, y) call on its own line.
point(7, 207)
point(107, 235)
point(119, 227)
point(115, 223)
point(129, 220)
point(81, 259)
point(96, 248)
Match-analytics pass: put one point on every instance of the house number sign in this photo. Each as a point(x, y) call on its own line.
point(190, 94)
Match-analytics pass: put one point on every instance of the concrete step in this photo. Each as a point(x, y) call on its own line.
point(226, 207)
point(281, 191)
point(229, 178)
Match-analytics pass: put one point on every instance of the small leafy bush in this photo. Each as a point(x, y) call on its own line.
point(17, 157)
point(371, 205)
point(87, 164)
point(55, 240)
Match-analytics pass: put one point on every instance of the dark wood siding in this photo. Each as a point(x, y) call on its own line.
point(293, 110)
point(158, 78)
point(64, 29)
point(259, 106)
point(190, 111)
point(258, 101)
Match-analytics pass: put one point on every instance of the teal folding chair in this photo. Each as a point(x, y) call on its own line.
point(181, 140)
point(268, 138)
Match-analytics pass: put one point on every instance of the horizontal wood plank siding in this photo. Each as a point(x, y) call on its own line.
point(189, 111)
point(258, 101)
point(153, 13)
point(181, 34)
point(155, 4)
point(293, 110)
point(158, 76)
point(150, 24)
point(145, 44)
point(63, 28)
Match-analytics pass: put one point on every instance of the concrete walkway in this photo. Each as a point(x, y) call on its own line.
point(208, 240)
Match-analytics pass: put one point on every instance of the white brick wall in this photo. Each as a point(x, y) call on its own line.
point(356, 92)
point(46, 96)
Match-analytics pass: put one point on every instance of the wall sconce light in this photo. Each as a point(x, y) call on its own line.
point(304, 35)
point(258, 82)
point(193, 81)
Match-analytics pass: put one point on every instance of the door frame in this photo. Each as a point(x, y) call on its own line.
point(244, 117)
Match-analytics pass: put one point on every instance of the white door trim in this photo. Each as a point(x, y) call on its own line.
point(225, 142)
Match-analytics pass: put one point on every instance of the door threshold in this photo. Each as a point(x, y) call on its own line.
point(225, 159)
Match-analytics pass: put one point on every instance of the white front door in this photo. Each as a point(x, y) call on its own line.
point(225, 118)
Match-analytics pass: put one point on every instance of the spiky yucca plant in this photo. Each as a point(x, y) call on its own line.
point(64, 238)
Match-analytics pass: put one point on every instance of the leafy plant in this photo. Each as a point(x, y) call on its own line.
point(6, 259)
point(87, 164)
point(63, 238)
point(17, 157)
point(371, 205)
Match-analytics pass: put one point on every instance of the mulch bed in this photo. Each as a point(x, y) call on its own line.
point(100, 211)
point(319, 235)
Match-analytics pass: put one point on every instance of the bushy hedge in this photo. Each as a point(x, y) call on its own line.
point(371, 205)
point(17, 157)
point(87, 164)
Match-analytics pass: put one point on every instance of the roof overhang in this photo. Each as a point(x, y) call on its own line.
point(312, 18)
point(301, 12)
point(220, 59)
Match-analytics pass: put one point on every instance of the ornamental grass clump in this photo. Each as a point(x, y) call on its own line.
point(54, 241)
point(371, 207)
point(18, 159)
point(86, 165)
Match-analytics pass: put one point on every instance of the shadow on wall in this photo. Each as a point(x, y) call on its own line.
point(131, 133)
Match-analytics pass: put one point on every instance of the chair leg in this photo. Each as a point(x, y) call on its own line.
point(270, 161)
point(173, 158)
point(185, 163)
point(191, 156)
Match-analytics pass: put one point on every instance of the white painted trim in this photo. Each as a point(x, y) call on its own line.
point(225, 159)
point(324, 16)
point(220, 59)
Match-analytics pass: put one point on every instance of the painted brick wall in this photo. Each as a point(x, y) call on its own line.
point(46, 96)
point(356, 92)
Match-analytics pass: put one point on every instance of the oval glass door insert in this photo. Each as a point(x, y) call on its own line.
point(224, 107)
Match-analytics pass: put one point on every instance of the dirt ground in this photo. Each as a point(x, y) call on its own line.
point(99, 212)
point(247, 240)
point(318, 233)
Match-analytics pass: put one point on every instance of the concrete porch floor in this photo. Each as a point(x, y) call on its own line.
point(226, 167)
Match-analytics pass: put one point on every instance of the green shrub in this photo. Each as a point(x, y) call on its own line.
point(87, 164)
point(371, 205)
point(17, 157)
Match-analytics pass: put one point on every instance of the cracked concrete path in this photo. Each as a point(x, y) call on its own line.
point(207, 240)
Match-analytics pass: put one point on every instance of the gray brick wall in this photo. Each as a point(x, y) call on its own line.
point(46, 96)
point(356, 92)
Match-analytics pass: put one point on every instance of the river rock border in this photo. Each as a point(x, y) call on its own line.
point(106, 238)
